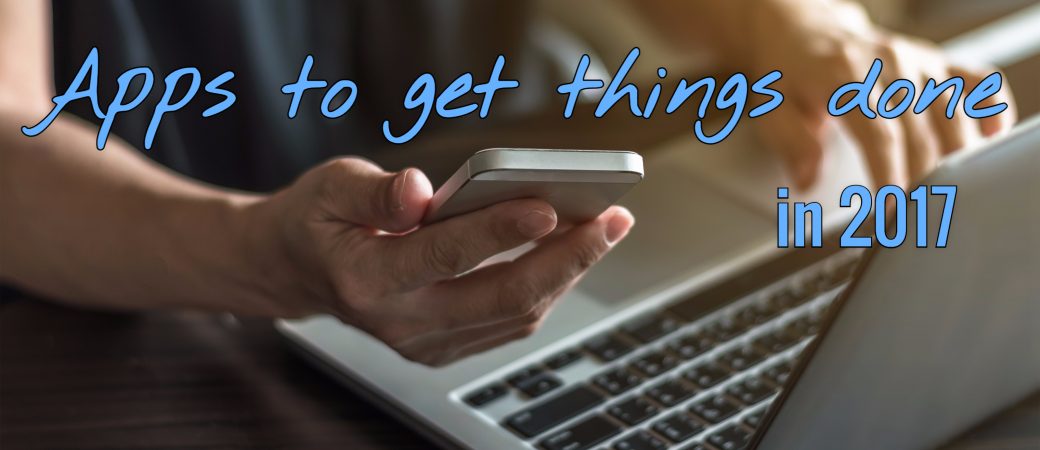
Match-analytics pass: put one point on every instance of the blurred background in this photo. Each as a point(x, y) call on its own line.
point(98, 379)
point(608, 29)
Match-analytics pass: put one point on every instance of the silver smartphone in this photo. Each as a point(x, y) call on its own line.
point(579, 184)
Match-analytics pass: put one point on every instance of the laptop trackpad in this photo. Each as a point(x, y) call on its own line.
point(683, 226)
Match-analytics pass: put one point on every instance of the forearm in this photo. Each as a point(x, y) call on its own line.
point(113, 229)
point(725, 27)
point(717, 25)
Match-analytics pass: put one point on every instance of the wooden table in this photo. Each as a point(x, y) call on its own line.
point(82, 379)
point(79, 379)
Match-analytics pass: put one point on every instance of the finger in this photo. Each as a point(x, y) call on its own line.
point(795, 136)
point(880, 140)
point(440, 346)
point(920, 140)
point(955, 132)
point(529, 322)
point(487, 337)
point(446, 249)
point(882, 146)
point(469, 334)
point(1000, 122)
point(522, 288)
point(921, 144)
point(357, 191)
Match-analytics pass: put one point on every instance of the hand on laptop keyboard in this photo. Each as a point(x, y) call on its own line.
point(819, 45)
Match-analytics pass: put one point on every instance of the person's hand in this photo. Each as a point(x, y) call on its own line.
point(344, 240)
point(820, 45)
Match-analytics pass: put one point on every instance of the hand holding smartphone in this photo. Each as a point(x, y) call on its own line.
point(579, 184)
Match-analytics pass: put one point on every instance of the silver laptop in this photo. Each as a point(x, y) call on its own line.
point(697, 332)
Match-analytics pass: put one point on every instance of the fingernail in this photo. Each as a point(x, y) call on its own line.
point(400, 184)
point(536, 223)
point(618, 225)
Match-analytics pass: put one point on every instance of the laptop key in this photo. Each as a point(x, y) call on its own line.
point(779, 372)
point(787, 299)
point(707, 375)
point(540, 385)
point(758, 313)
point(539, 418)
point(833, 277)
point(582, 435)
point(486, 395)
point(695, 446)
point(750, 390)
point(799, 328)
point(777, 341)
point(670, 392)
point(607, 347)
point(726, 328)
point(563, 359)
point(617, 381)
point(754, 419)
point(654, 363)
point(730, 438)
point(742, 358)
point(650, 328)
point(715, 409)
point(810, 287)
point(678, 427)
point(633, 410)
point(815, 319)
point(808, 325)
point(525, 375)
point(640, 440)
point(691, 345)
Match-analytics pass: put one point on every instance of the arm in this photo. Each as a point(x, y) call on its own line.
point(112, 229)
point(102, 228)
point(720, 25)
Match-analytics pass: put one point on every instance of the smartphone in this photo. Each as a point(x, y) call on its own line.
point(579, 184)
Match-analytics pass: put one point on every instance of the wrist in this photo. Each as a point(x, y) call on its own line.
point(736, 29)
point(261, 254)
point(280, 282)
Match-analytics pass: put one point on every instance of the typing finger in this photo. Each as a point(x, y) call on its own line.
point(882, 146)
point(1004, 120)
point(956, 130)
point(798, 143)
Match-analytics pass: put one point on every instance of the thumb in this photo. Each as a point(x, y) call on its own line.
point(357, 191)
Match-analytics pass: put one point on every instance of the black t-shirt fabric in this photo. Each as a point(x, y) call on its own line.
point(381, 45)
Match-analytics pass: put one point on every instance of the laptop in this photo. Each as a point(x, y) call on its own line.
point(698, 333)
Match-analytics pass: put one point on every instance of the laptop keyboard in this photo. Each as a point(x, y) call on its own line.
point(685, 377)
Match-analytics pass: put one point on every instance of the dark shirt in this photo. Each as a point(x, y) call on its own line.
point(381, 45)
